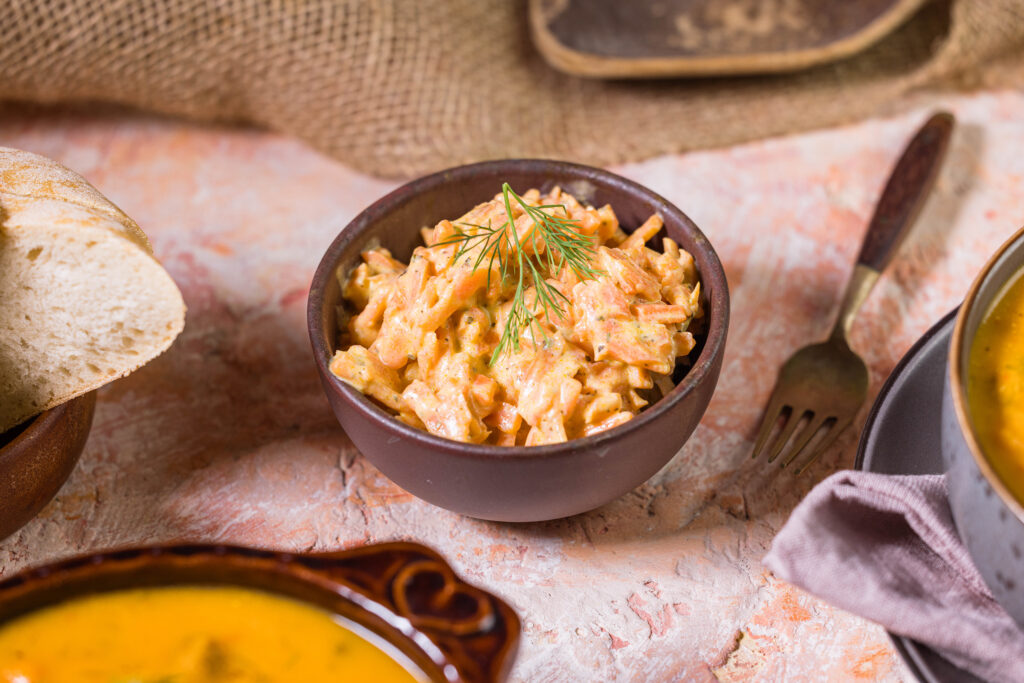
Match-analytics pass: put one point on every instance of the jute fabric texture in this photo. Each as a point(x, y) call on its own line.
point(401, 87)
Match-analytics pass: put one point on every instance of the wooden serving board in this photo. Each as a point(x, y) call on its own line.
point(662, 38)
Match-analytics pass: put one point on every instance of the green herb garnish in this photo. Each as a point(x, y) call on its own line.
point(565, 247)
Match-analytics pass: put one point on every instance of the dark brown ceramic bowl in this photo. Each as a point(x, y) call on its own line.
point(517, 484)
point(404, 593)
point(37, 457)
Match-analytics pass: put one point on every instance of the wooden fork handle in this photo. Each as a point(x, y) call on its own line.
point(905, 192)
point(902, 199)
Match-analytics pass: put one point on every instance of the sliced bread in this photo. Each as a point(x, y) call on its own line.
point(82, 299)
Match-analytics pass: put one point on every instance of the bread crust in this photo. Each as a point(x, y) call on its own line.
point(36, 177)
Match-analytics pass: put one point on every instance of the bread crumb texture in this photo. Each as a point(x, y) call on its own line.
point(82, 299)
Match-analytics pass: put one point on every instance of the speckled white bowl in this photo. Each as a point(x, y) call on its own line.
point(988, 517)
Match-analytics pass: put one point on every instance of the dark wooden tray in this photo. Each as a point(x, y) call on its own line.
point(662, 38)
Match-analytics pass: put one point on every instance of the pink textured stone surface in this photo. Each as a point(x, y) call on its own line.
point(228, 437)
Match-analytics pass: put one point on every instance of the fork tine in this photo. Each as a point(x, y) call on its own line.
point(823, 445)
point(804, 437)
point(795, 418)
point(771, 416)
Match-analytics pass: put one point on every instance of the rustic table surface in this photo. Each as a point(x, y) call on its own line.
point(228, 436)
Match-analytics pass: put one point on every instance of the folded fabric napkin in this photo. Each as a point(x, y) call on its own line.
point(884, 547)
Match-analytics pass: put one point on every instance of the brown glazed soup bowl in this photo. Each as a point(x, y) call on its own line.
point(989, 519)
point(517, 484)
point(404, 594)
point(36, 458)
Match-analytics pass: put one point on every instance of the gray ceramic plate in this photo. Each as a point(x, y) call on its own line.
point(902, 437)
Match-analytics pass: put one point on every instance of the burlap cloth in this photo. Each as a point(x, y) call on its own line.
point(401, 87)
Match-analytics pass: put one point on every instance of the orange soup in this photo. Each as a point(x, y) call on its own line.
point(188, 635)
point(995, 386)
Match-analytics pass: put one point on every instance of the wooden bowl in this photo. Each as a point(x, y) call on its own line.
point(404, 593)
point(686, 38)
point(36, 458)
point(517, 484)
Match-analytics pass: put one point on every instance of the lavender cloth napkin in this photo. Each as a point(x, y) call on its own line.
point(884, 547)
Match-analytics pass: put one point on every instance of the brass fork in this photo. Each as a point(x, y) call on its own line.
point(822, 386)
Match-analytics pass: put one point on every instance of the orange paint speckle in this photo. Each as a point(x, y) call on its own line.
point(870, 665)
point(783, 613)
point(498, 550)
point(220, 249)
point(659, 622)
point(791, 609)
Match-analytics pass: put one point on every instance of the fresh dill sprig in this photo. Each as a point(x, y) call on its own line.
point(565, 247)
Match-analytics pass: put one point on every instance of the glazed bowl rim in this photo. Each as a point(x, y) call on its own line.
point(313, 569)
point(954, 374)
point(42, 422)
point(701, 370)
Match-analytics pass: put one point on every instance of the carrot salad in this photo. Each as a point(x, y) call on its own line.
point(420, 338)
